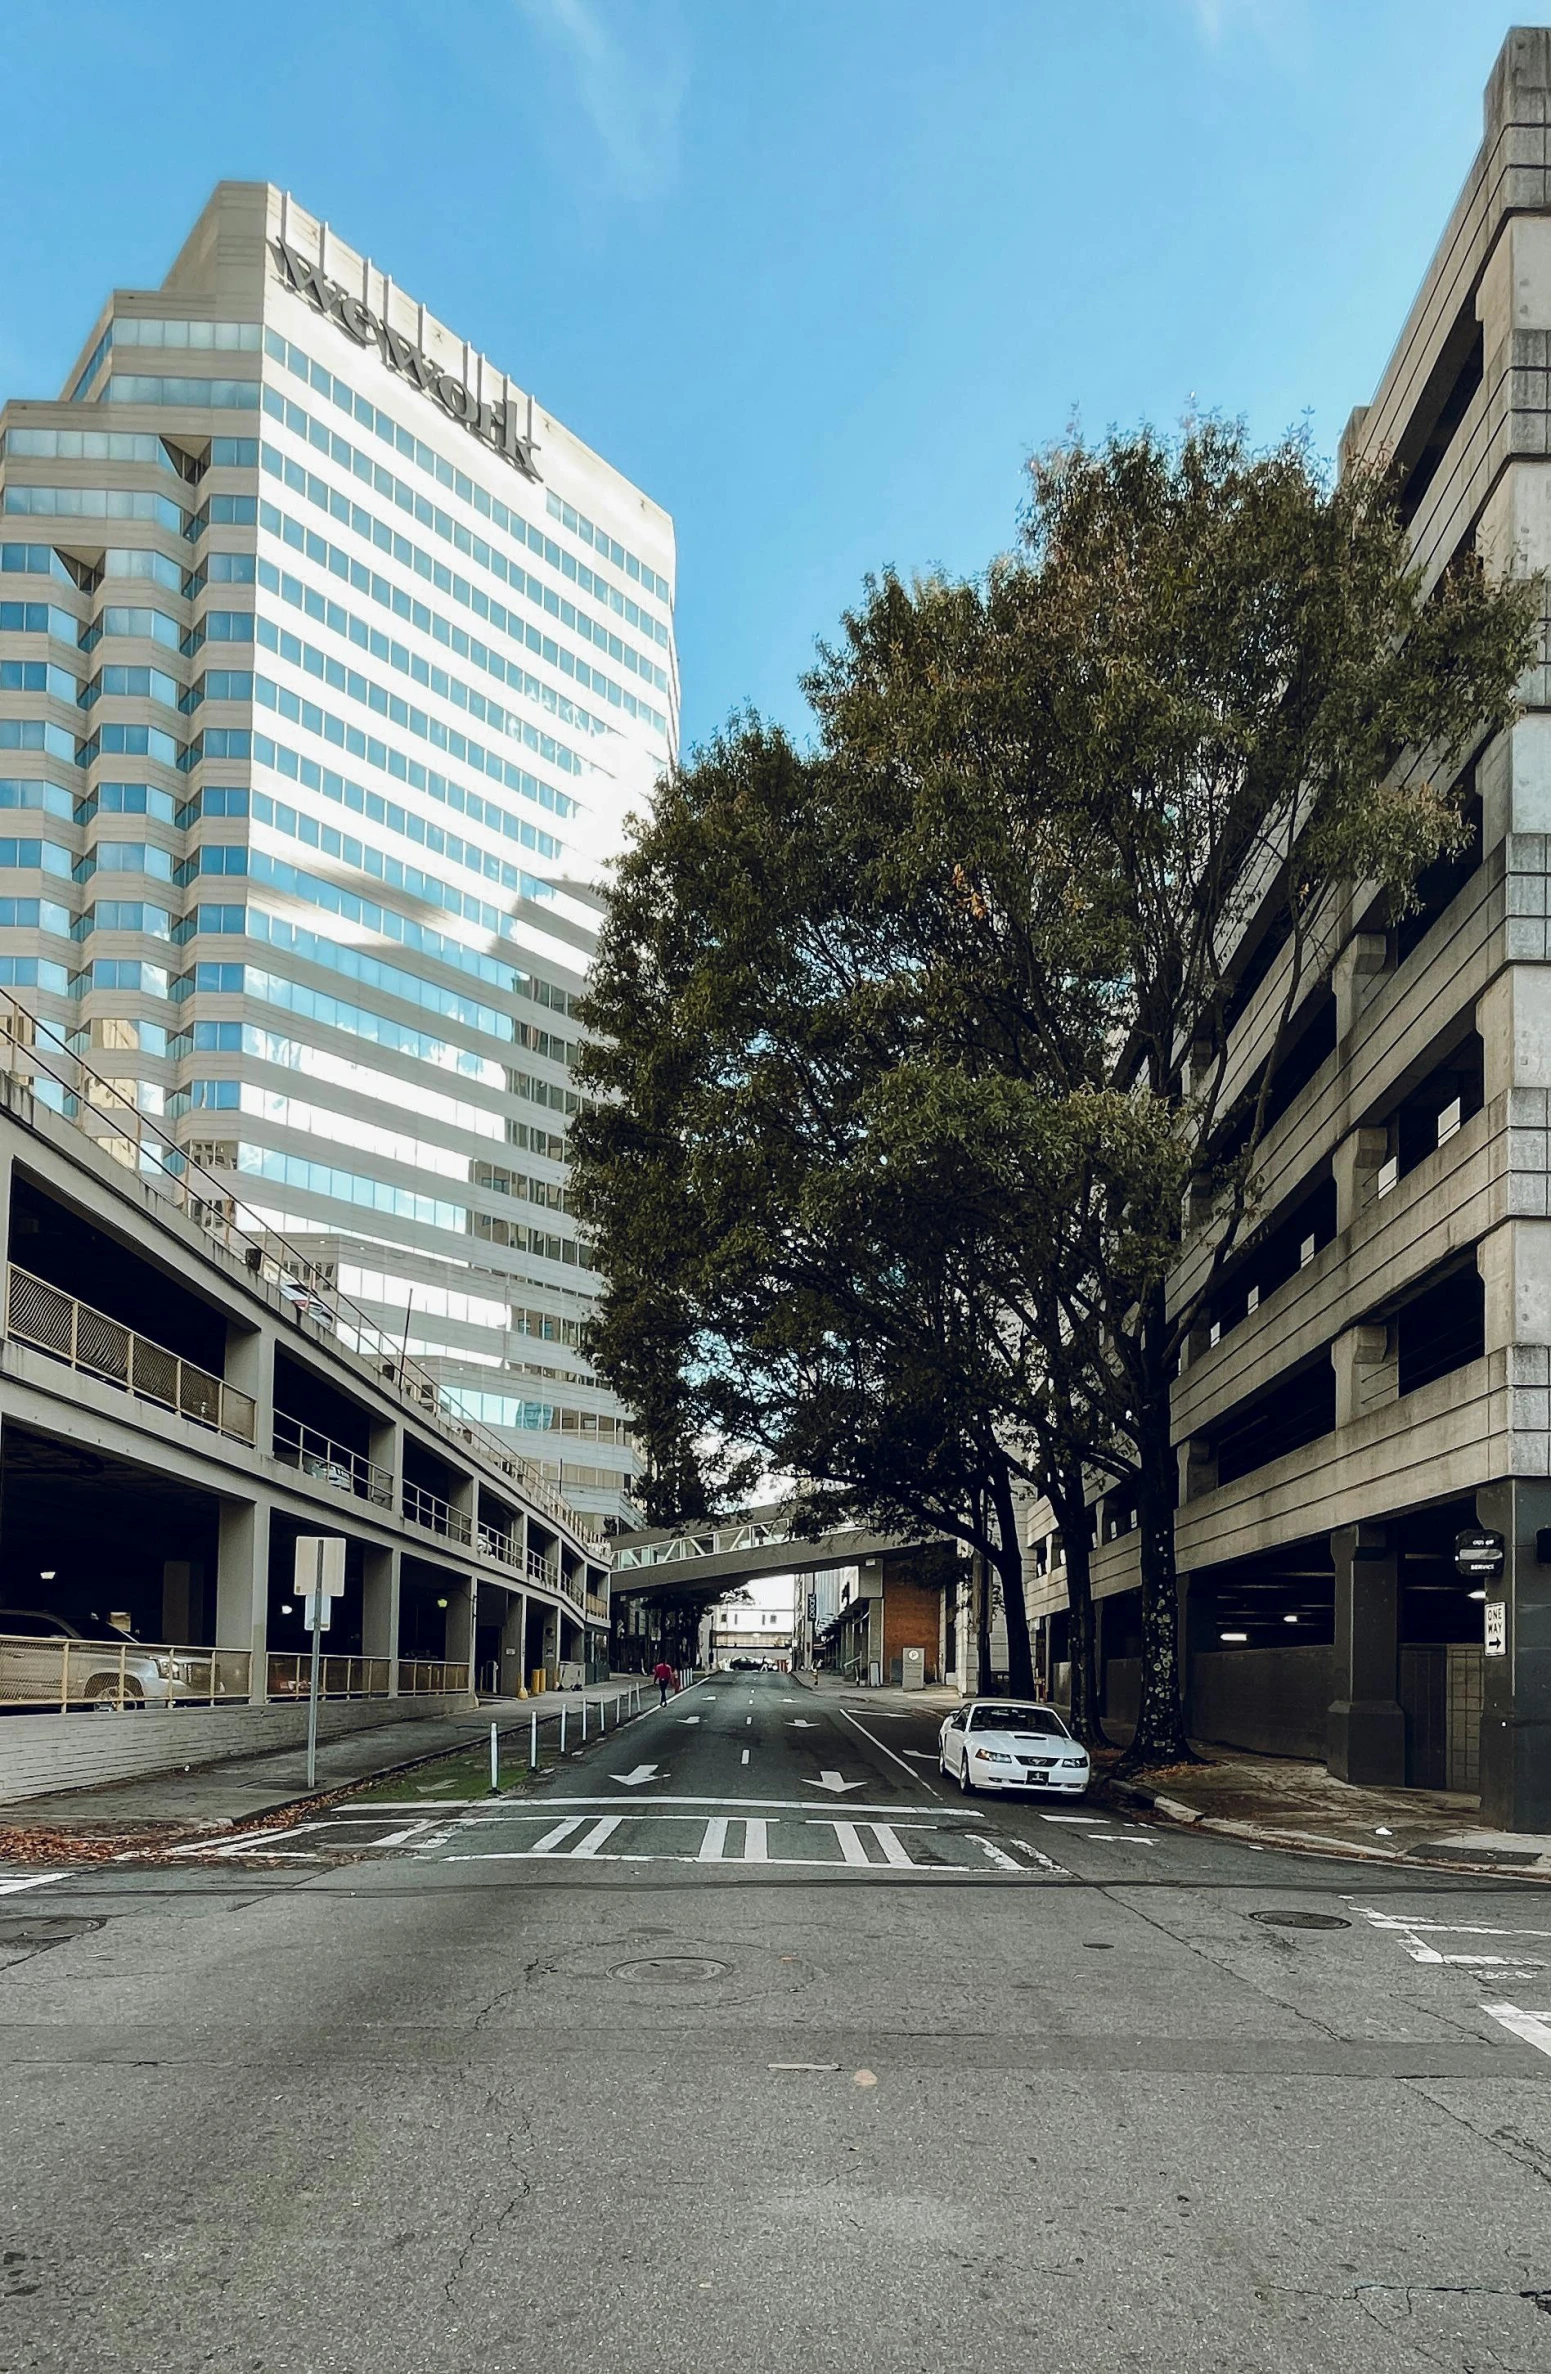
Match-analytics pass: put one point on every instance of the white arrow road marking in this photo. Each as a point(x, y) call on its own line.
point(1531, 2025)
point(889, 1752)
point(33, 1879)
point(634, 1780)
point(801, 1723)
point(833, 1782)
point(1391, 1920)
point(687, 1720)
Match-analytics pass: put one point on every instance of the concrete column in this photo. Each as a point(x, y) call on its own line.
point(551, 1651)
point(1516, 1697)
point(1366, 1730)
point(1356, 1163)
point(459, 1648)
point(380, 1589)
point(242, 1587)
point(1367, 1372)
point(1197, 1467)
point(7, 1175)
point(181, 1580)
point(250, 1366)
point(464, 1497)
point(514, 1646)
point(1355, 976)
point(385, 1448)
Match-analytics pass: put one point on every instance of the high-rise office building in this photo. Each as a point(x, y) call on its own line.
point(330, 666)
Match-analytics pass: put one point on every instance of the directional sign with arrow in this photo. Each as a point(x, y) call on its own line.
point(638, 1778)
point(833, 1782)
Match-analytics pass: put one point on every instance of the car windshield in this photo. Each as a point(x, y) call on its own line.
point(1019, 1718)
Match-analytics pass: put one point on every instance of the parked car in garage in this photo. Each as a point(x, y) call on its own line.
point(995, 1743)
point(47, 1661)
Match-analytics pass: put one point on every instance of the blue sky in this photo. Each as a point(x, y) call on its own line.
point(818, 274)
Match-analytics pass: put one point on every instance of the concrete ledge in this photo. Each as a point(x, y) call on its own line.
point(43, 1753)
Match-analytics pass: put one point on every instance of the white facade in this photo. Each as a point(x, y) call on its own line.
point(754, 1622)
point(301, 592)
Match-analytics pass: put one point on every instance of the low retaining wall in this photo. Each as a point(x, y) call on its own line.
point(1271, 1701)
point(41, 1753)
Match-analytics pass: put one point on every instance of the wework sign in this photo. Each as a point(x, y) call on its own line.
point(496, 425)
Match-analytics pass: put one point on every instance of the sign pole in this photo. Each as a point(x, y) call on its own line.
point(312, 1694)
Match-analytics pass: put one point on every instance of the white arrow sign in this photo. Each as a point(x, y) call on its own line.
point(833, 1782)
point(641, 1774)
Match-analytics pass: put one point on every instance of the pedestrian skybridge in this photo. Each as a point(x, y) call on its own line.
point(734, 1550)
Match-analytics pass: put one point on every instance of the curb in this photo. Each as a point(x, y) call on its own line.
point(1304, 1842)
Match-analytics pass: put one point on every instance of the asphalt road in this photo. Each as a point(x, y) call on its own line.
point(745, 2041)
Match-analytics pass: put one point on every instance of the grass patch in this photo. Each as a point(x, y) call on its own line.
point(462, 1774)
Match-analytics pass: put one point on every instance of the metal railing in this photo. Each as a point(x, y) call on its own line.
point(34, 1053)
point(421, 1677)
point(88, 1340)
point(120, 1674)
point(327, 1462)
point(290, 1676)
point(437, 1516)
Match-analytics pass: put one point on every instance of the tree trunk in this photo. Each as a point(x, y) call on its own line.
point(1160, 1722)
point(1009, 1565)
point(1071, 1508)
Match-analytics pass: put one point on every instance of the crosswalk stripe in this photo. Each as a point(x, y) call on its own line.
point(850, 1842)
point(597, 1834)
point(551, 1838)
point(756, 1842)
point(714, 1844)
point(893, 1848)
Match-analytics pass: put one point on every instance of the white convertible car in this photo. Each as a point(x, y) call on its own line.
point(995, 1743)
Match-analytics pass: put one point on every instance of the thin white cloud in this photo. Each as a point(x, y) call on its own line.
point(631, 70)
point(1216, 19)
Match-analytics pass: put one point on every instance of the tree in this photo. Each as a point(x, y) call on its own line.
point(1210, 717)
point(920, 1061)
point(803, 1217)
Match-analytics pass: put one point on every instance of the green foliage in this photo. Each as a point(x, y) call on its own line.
point(907, 1050)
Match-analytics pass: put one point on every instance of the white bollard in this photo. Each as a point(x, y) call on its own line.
point(562, 1730)
point(533, 1744)
point(495, 1757)
point(584, 1721)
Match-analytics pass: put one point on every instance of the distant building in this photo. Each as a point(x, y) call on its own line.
point(754, 1622)
point(1373, 1381)
point(330, 666)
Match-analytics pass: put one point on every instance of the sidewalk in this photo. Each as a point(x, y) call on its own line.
point(934, 1699)
point(1273, 1801)
point(243, 1789)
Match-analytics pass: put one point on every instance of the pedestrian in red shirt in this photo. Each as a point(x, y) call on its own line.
point(665, 1678)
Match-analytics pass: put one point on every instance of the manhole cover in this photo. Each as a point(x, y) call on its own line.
point(671, 1970)
point(1301, 1920)
point(30, 1934)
